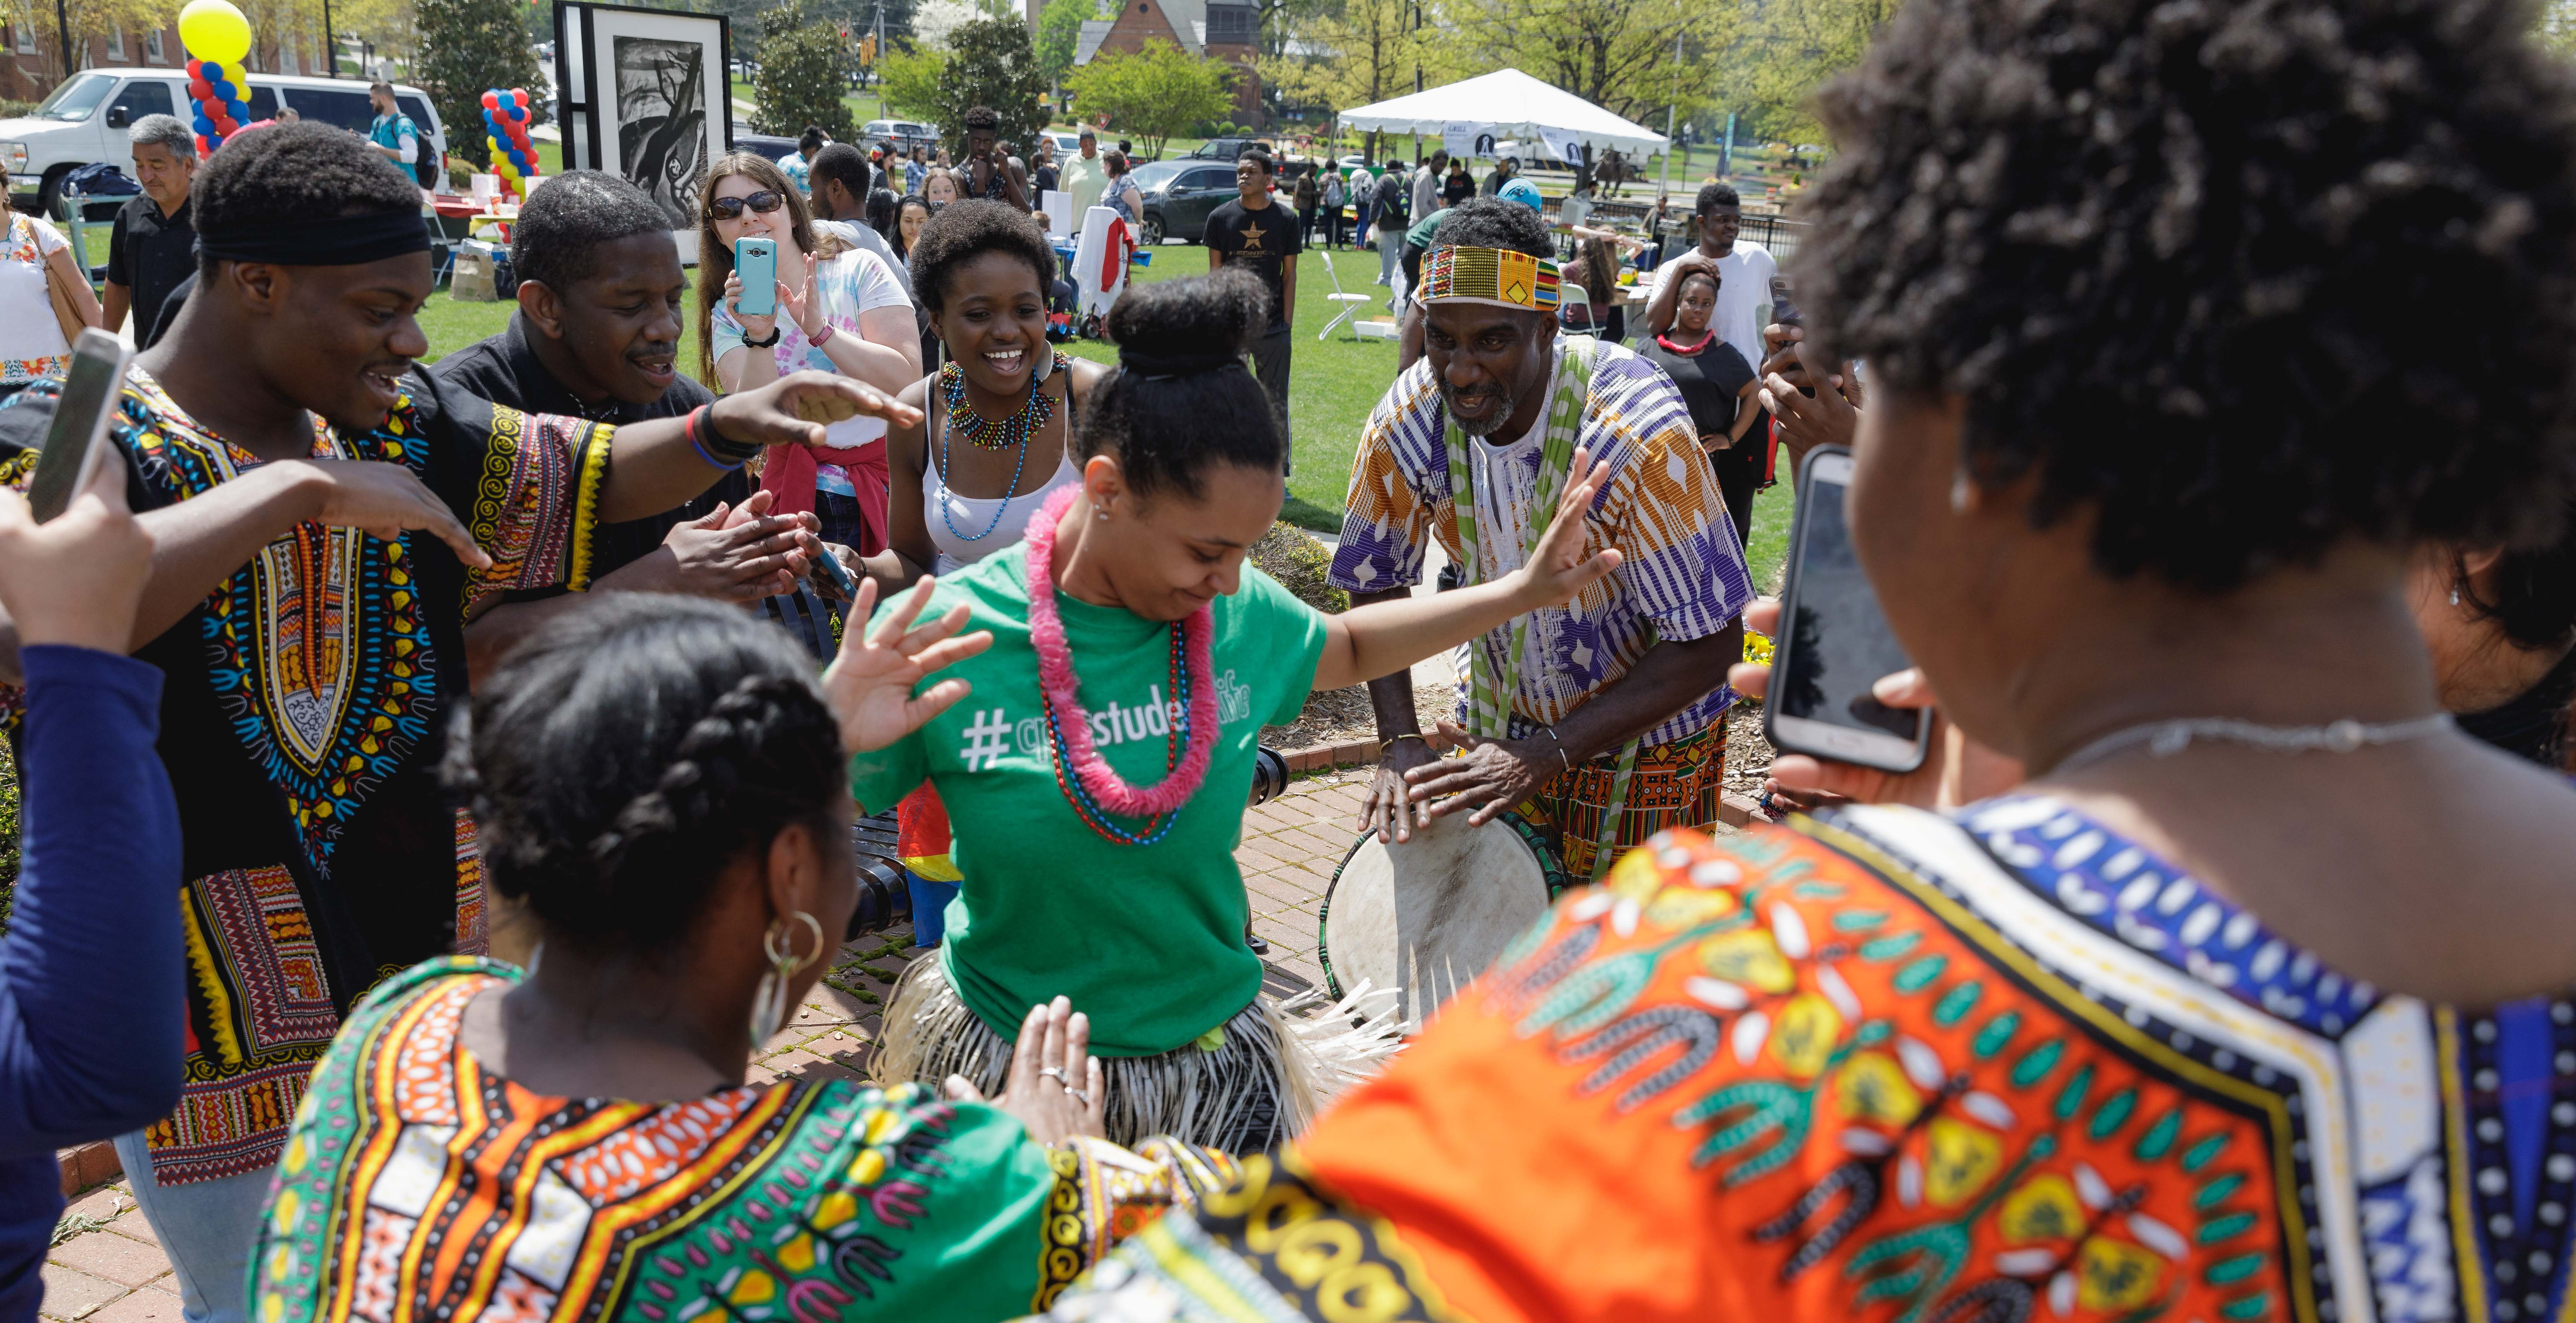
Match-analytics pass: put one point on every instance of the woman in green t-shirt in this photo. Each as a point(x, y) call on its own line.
point(1097, 773)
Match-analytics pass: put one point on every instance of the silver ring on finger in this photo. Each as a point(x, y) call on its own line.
point(1078, 1095)
point(1053, 1073)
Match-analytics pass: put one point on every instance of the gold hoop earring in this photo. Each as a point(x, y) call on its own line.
point(769, 1000)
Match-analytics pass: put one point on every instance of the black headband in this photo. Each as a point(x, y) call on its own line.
point(1159, 367)
point(339, 241)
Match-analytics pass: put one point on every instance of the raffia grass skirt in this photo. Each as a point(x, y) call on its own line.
point(1257, 1088)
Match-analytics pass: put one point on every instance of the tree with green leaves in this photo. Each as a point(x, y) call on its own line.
point(467, 48)
point(1060, 35)
point(910, 81)
point(1154, 93)
point(1783, 49)
point(1618, 54)
point(990, 63)
point(1367, 52)
point(804, 65)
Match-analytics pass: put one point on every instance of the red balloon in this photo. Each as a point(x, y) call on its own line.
point(193, 62)
point(491, 100)
point(224, 125)
point(520, 94)
point(201, 89)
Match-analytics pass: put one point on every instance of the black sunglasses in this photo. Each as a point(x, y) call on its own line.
point(763, 202)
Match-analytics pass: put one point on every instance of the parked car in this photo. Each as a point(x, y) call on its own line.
point(1065, 144)
point(1222, 149)
point(1177, 203)
point(764, 144)
point(900, 135)
point(85, 119)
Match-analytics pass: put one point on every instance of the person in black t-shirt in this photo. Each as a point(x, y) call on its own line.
point(597, 336)
point(153, 245)
point(1718, 386)
point(1256, 233)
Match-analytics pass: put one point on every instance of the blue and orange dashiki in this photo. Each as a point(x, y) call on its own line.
point(300, 712)
point(420, 1185)
point(1888, 1066)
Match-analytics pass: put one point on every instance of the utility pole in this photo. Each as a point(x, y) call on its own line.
point(330, 44)
point(63, 25)
point(1726, 153)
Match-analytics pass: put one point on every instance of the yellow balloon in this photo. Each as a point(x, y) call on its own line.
point(214, 30)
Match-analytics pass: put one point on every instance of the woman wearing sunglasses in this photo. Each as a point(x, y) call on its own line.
point(839, 309)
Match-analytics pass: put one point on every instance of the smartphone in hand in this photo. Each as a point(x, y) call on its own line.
point(755, 259)
point(1834, 641)
point(76, 439)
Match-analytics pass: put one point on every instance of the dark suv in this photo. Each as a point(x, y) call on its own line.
point(1221, 149)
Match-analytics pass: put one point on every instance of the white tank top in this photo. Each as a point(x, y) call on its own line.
point(941, 508)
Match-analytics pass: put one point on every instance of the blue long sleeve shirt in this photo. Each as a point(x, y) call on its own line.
point(91, 1000)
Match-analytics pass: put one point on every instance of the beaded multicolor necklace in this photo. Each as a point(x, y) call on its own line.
point(1081, 773)
point(985, 433)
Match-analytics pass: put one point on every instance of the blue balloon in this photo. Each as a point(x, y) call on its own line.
point(204, 125)
point(223, 90)
point(241, 111)
point(209, 70)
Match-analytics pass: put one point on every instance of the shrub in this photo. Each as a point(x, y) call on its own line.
point(469, 47)
point(1299, 563)
point(991, 63)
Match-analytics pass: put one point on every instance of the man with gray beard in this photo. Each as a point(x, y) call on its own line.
point(1600, 722)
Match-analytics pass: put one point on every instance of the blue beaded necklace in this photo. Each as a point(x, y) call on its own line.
point(1023, 424)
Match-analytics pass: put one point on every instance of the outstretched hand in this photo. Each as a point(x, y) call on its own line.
point(869, 685)
point(1557, 568)
point(794, 409)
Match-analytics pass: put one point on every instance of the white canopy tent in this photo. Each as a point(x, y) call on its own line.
point(1505, 104)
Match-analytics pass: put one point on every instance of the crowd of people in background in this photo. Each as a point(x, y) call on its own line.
point(426, 820)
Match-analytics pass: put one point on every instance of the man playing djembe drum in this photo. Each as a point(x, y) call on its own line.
point(1600, 721)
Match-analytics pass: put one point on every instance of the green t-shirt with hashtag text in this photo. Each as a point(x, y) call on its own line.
point(1146, 939)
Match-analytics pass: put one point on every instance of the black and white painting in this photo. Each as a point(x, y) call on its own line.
point(643, 96)
point(662, 121)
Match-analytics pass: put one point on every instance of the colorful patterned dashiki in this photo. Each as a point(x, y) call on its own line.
point(1683, 577)
point(1894, 1067)
point(300, 708)
point(417, 1185)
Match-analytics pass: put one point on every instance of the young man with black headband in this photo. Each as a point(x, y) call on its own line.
point(326, 520)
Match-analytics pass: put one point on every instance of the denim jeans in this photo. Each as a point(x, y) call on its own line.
point(206, 1227)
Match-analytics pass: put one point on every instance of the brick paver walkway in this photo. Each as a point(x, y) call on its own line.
point(109, 1269)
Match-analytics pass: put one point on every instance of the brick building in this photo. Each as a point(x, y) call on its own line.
point(31, 56)
point(1213, 29)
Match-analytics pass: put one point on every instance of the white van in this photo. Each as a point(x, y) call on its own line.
point(86, 118)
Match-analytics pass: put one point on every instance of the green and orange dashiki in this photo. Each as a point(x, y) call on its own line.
point(417, 1186)
point(1897, 1067)
point(300, 708)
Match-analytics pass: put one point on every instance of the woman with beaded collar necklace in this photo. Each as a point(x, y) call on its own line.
point(1098, 775)
point(990, 449)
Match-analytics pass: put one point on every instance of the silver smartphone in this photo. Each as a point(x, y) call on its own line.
point(75, 441)
point(1834, 642)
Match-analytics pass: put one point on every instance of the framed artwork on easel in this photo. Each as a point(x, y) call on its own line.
point(643, 93)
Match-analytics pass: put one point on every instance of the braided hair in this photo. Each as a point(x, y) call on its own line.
point(624, 755)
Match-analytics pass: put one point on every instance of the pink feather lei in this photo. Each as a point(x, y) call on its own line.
point(1063, 691)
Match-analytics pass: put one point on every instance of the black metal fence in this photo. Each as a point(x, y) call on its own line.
point(1779, 234)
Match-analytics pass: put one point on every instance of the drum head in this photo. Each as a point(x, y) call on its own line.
point(1429, 915)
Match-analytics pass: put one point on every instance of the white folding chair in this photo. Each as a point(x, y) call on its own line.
point(1569, 298)
point(1350, 302)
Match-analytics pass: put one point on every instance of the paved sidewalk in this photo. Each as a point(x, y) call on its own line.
point(109, 1269)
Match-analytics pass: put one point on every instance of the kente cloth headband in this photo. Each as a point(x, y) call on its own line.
point(1497, 276)
point(338, 241)
point(1159, 367)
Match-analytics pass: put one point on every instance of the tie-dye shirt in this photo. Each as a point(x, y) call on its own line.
point(1683, 575)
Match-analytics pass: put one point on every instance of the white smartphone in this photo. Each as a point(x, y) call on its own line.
point(75, 441)
point(756, 260)
point(1834, 642)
